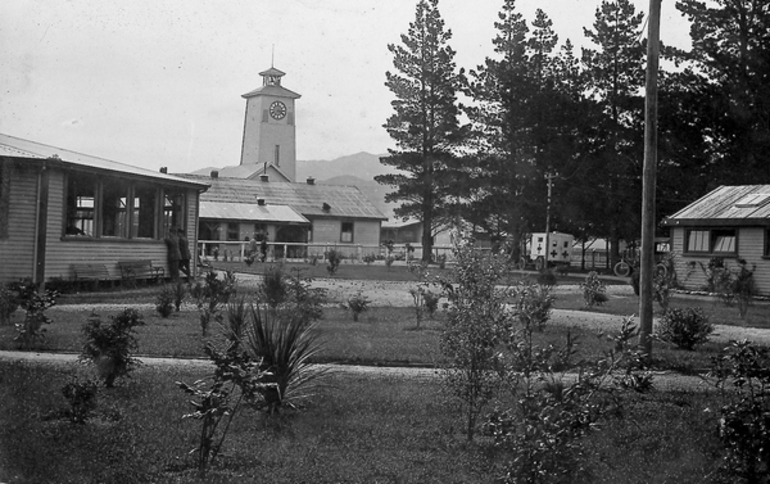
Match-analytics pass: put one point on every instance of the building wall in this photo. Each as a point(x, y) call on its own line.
point(61, 253)
point(689, 268)
point(261, 133)
point(17, 251)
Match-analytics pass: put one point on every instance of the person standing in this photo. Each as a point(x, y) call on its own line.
point(174, 255)
point(184, 254)
point(263, 248)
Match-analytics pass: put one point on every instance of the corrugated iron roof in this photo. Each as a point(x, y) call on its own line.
point(309, 200)
point(272, 90)
point(22, 148)
point(739, 204)
point(250, 212)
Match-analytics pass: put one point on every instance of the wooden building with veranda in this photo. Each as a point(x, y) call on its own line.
point(60, 208)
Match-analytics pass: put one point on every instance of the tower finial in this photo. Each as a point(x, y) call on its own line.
point(272, 57)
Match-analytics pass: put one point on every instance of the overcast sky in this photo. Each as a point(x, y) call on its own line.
point(159, 82)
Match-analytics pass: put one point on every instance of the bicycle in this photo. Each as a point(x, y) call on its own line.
point(626, 267)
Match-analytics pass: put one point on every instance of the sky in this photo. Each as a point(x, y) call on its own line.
point(158, 83)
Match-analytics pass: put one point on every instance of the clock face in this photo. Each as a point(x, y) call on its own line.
point(277, 110)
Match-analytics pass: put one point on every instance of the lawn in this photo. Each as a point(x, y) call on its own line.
point(361, 429)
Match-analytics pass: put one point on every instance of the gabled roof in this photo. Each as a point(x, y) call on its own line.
point(12, 146)
point(249, 171)
point(250, 212)
point(343, 201)
point(727, 205)
point(272, 90)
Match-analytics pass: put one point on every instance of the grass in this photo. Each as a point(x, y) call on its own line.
point(362, 429)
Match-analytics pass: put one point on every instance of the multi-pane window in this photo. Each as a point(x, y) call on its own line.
point(5, 197)
point(724, 241)
point(114, 207)
point(173, 210)
point(232, 231)
point(81, 205)
point(346, 235)
point(144, 206)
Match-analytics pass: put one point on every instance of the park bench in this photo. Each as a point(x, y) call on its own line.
point(133, 270)
point(91, 272)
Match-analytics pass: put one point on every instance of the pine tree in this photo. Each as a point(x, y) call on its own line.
point(615, 78)
point(425, 124)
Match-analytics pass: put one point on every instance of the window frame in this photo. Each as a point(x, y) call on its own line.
point(712, 236)
point(154, 193)
point(352, 232)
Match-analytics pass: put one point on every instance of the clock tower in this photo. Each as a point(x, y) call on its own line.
point(269, 133)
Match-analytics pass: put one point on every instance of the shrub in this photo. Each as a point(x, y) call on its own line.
point(109, 346)
point(369, 258)
point(744, 287)
point(333, 260)
point(285, 344)
point(237, 378)
point(430, 301)
point(357, 304)
point(35, 305)
point(81, 397)
point(546, 277)
point(9, 303)
point(304, 301)
point(211, 295)
point(476, 322)
point(164, 302)
point(742, 374)
point(389, 261)
point(441, 260)
point(594, 290)
point(273, 288)
point(685, 327)
point(532, 305)
point(235, 322)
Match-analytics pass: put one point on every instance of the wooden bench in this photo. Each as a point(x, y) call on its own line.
point(133, 270)
point(91, 272)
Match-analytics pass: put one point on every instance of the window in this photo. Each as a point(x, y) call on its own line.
point(347, 232)
point(173, 210)
point(232, 231)
point(103, 206)
point(81, 205)
point(114, 209)
point(712, 241)
point(277, 155)
point(144, 206)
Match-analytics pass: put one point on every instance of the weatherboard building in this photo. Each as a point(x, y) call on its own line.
point(261, 197)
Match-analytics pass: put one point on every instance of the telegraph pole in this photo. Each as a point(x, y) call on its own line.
point(647, 264)
point(550, 176)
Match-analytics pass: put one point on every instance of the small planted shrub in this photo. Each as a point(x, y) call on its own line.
point(81, 397)
point(333, 260)
point(441, 261)
point(236, 380)
point(742, 374)
point(35, 304)
point(235, 321)
point(532, 304)
point(594, 290)
point(389, 261)
point(357, 304)
point(273, 289)
point(546, 277)
point(164, 302)
point(109, 346)
point(9, 303)
point(369, 258)
point(744, 287)
point(430, 301)
point(685, 327)
point(285, 344)
point(211, 296)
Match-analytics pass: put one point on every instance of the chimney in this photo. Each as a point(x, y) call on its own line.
point(263, 178)
point(164, 169)
point(261, 202)
point(214, 174)
point(326, 207)
point(310, 180)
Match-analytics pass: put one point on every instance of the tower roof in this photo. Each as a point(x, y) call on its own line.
point(272, 72)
